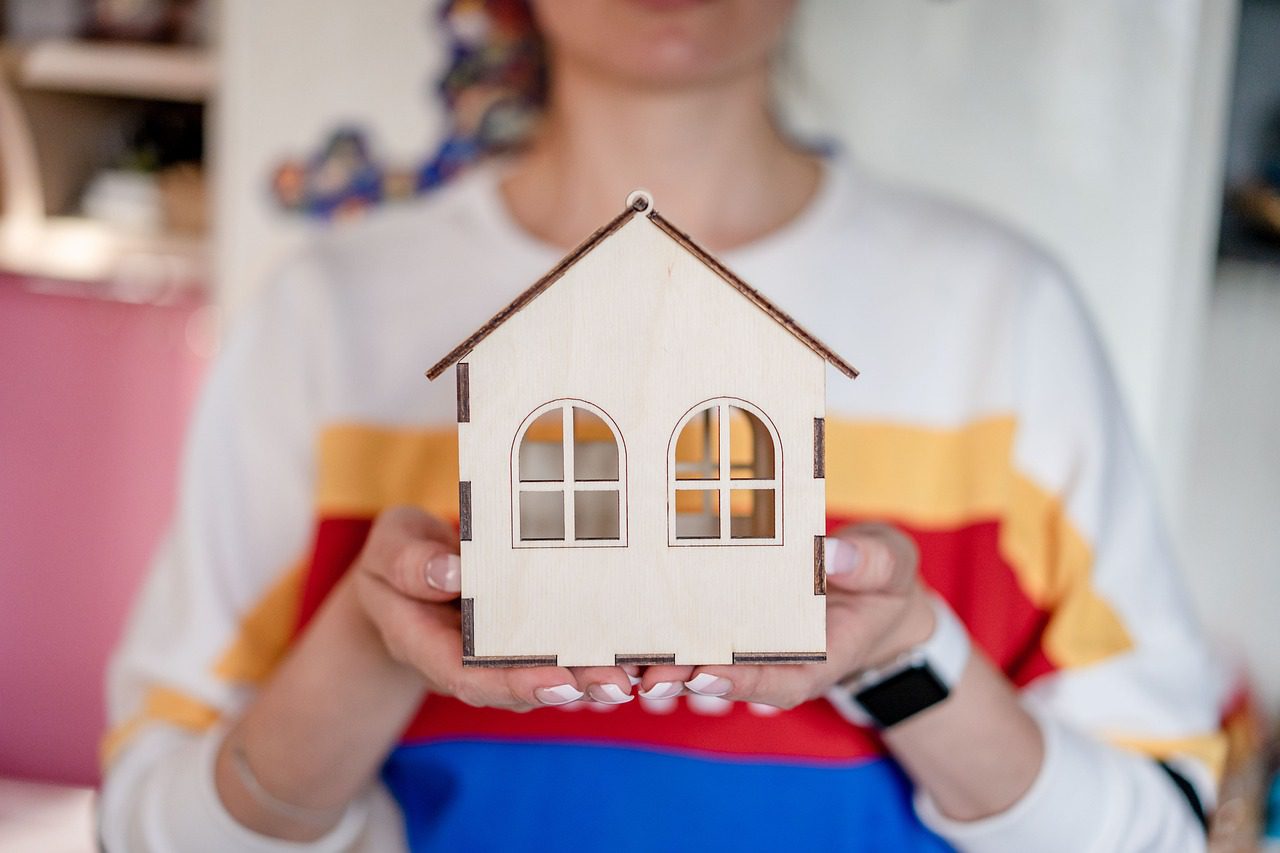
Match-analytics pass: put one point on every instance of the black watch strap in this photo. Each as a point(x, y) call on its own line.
point(902, 694)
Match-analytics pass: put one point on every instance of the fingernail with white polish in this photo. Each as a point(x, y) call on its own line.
point(609, 694)
point(662, 690)
point(841, 556)
point(445, 573)
point(634, 679)
point(561, 694)
point(707, 684)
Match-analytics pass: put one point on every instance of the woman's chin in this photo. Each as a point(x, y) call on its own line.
point(664, 43)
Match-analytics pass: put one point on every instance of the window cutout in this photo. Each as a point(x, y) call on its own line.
point(542, 516)
point(750, 446)
point(542, 451)
point(595, 515)
point(698, 447)
point(724, 476)
point(752, 513)
point(595, 452)
point(697, 514)
point(568, 477)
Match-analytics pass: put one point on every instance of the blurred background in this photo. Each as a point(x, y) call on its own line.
point(157, 157)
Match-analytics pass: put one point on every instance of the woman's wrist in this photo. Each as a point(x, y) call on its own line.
point(317, 732)
point(914, 627)
point(978, 752)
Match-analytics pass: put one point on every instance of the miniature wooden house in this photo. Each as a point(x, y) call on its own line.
point(641, 455)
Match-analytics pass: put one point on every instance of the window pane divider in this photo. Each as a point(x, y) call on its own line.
point(712, 485)
point(596, 485)
point(726, 519)
point(579, 485)
point(541, 485)
point(568, 440)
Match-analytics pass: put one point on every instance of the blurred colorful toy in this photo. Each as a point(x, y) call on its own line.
point(493, 90)
point(342, 181)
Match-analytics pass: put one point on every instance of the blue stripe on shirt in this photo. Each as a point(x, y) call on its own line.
point(502, 796)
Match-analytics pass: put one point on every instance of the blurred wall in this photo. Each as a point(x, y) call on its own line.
point(1093, 126)
point(293, 71)
point(1231, 523)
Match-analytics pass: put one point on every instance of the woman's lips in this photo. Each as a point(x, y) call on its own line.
point(669, 5)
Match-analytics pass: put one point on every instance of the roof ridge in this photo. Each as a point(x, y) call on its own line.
point(639, 206)
point(530, 293)
point(779, 316)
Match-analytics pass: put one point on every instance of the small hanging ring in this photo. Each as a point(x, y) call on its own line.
point(640, 201)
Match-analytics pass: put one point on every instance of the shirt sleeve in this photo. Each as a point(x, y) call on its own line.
point(1133, 683)
point(201, 636)
point(1089, 797)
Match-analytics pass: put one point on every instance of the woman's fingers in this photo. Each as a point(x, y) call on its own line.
point(608, 685)
point(780, 685)
point(415, 556)
point(871, 558)
point(429, 641)
point(663, 681)
point(415, 553)
point(535, 686)
point(410, 571)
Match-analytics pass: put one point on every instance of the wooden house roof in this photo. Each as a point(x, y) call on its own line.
point(640, 206)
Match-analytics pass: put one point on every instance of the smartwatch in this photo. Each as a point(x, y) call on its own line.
point(917, 679)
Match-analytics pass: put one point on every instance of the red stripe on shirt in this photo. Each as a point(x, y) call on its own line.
point(964, 565)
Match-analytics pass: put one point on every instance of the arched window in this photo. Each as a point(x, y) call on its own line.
point(568, 478)
point(724, 477)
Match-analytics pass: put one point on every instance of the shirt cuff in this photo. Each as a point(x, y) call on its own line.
point(197, 819)
point(1047, 817)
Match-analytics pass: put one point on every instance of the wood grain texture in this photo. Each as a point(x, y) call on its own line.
point(820, 448)
point(643, 660)
point(513, 660)
point(779, 657)
point(468, 627)
point(464, 392)
point(756, 297)
point(464, 510)
point(529, 295)
point(819, 565)
point(641, 298)
point(779, 316)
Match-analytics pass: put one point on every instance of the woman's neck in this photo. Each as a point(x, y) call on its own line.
point(710, 155)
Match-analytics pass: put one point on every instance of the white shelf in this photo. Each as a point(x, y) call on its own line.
point(123, 265)
point(185, 74)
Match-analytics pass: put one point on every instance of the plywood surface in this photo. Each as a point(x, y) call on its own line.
point(644, 331)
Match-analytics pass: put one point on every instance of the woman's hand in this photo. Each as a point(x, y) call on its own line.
point(876, 609)
point(324, 722)
point(406, 580)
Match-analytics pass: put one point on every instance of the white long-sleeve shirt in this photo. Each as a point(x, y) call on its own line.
point(985, 424)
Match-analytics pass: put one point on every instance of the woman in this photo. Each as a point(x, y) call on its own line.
point(984, 440)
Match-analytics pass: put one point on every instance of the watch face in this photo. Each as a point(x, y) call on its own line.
point(902, 694)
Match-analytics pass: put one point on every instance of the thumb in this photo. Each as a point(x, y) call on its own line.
point(870, 558)
point(415, 555)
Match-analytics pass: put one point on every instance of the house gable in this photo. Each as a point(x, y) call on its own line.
point(641, 209)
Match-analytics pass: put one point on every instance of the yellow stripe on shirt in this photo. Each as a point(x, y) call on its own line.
point(945, 478)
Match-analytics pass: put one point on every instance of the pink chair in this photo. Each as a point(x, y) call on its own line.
point(94, 396)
